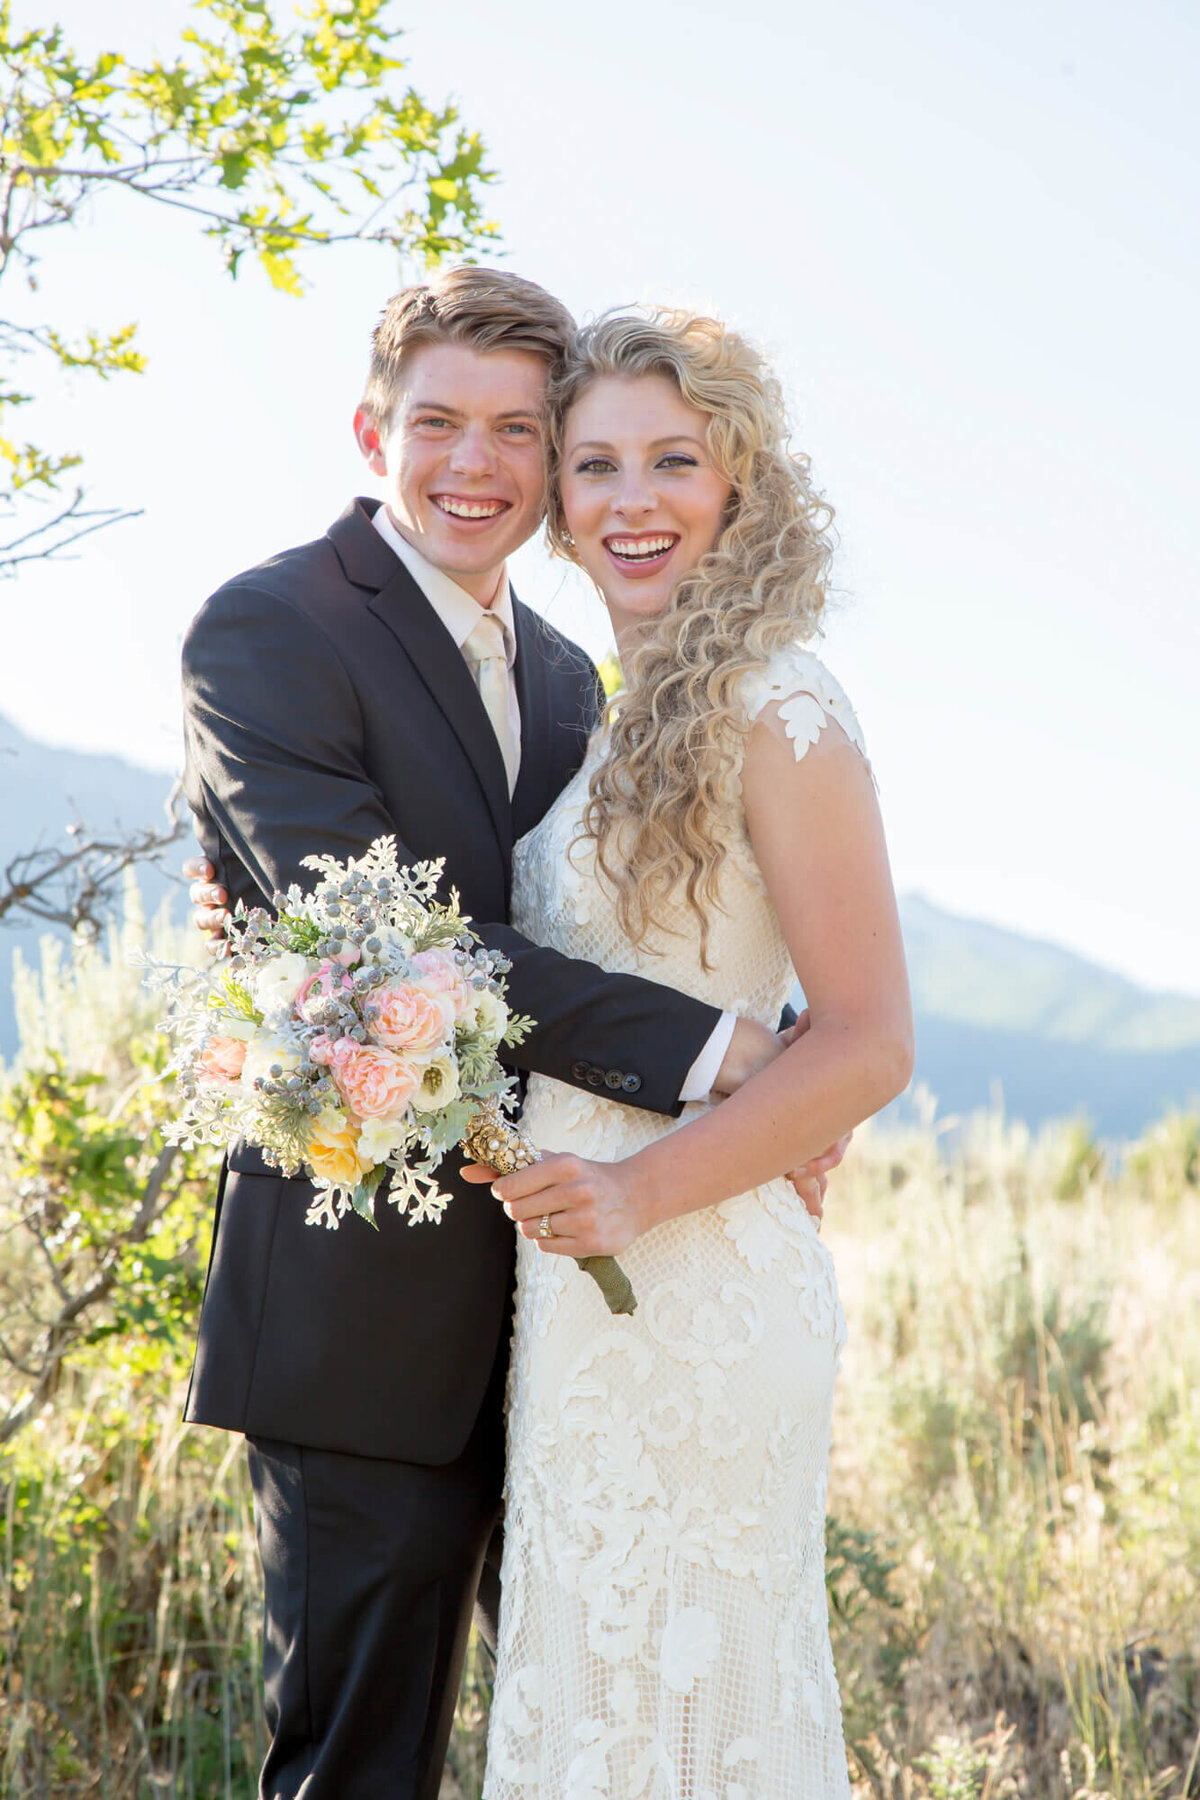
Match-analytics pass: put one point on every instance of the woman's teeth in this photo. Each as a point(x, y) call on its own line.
point(464, 509)
point(639, 550)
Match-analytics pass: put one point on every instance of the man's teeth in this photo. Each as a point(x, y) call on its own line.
point(639, 549)
point(465, 509)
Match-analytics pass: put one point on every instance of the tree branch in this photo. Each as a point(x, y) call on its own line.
point(79, 522)
point(63, 1331)
point(71, 887)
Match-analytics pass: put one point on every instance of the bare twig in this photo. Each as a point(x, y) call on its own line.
point(74, 520)
point(73, 886)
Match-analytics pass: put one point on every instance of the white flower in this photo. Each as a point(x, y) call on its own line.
point(396, 947)
point(491, 1014)
point(690, 1646)
point(378, 1138)
point(439, 1085)
point(277, 983)
point(264, 1053)
point(242, 1029)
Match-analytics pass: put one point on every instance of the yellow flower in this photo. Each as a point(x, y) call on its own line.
point(332, 1152)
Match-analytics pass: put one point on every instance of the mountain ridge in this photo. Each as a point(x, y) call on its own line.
point(995, 1010)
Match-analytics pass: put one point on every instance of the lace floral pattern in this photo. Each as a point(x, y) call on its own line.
point(664, 1633)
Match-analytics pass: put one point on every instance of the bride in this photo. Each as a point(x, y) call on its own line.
point(664, 1630)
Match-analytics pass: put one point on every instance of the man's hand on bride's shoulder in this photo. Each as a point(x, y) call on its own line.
point(209, 903)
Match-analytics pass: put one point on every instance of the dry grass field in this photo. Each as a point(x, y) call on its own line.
point(1014, 1534)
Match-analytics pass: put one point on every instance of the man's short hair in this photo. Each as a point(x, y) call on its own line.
point(487, 309)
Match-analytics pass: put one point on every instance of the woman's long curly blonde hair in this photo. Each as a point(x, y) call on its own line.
point(676, 725)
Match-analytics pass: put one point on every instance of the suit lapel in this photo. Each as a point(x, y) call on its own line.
point(399, 603)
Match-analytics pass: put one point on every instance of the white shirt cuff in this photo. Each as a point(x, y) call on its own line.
point(707, 1066)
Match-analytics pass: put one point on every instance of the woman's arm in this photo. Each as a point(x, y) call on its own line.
point(817, 834)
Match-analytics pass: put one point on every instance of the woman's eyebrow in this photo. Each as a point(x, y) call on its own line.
point(676, 437)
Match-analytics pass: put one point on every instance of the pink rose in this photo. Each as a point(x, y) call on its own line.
point(329, 979)
point(221, 1059)
point(406, 1019)
point(374, 1083)
point(441, 977)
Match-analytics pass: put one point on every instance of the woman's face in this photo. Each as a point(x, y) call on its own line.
point(640, 495)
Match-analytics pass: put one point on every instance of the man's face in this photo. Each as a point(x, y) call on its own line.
point(463, 458)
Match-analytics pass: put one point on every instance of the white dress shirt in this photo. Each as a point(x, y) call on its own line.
point(460, 613)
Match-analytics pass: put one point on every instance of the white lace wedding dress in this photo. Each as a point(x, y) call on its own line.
point(664, 1629)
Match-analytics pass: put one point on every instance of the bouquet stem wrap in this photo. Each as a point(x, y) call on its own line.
point(494, 1141)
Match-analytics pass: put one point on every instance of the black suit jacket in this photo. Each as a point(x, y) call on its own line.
point(325, 705)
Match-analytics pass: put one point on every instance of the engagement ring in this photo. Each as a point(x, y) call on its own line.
point(545, 1229)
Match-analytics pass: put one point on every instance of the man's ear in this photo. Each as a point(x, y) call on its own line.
point(369, 439)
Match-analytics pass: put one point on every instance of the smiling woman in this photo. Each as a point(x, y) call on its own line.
point(639, 484)
point(663, 1622)
point(744, 576)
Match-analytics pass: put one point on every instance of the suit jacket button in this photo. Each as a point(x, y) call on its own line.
point(595, 1077)
point(613, 1079)
point(579, 1071)
point(631, 1083)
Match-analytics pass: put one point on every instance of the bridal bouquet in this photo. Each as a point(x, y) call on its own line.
point(351, 1034)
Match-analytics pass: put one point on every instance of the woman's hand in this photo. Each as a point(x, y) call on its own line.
point(209, 904)
point(594, 1208)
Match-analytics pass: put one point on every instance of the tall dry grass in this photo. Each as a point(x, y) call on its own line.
point(1014, 1540)
point(1018, 1427)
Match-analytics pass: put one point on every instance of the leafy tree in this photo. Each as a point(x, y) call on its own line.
point(279, 141)
point(103, 1223)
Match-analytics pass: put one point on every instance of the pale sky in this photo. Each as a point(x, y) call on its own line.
point(966, 232)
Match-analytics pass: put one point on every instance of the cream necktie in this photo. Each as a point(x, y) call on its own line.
point(484, 651)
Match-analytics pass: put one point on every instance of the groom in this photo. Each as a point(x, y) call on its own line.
point(385, 679)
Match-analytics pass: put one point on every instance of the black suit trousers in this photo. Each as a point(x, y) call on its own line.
point(370, 1569)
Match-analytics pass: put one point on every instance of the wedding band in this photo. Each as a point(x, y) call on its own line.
point(545, 1229)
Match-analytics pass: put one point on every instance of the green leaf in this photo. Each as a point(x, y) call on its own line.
point(281, 272)
point(363, 1197)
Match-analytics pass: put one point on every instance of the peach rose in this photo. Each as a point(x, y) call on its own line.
point(404, 1018)
point(439, 976)
point(332, 1152)
point(221, 1059)
point(374, 1083)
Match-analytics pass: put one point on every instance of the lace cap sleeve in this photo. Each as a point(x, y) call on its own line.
point(807, 697)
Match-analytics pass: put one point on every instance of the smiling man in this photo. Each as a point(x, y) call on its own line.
point(460, 446)
point(385, 679)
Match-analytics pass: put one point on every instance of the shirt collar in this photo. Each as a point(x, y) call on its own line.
point(458, 610)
